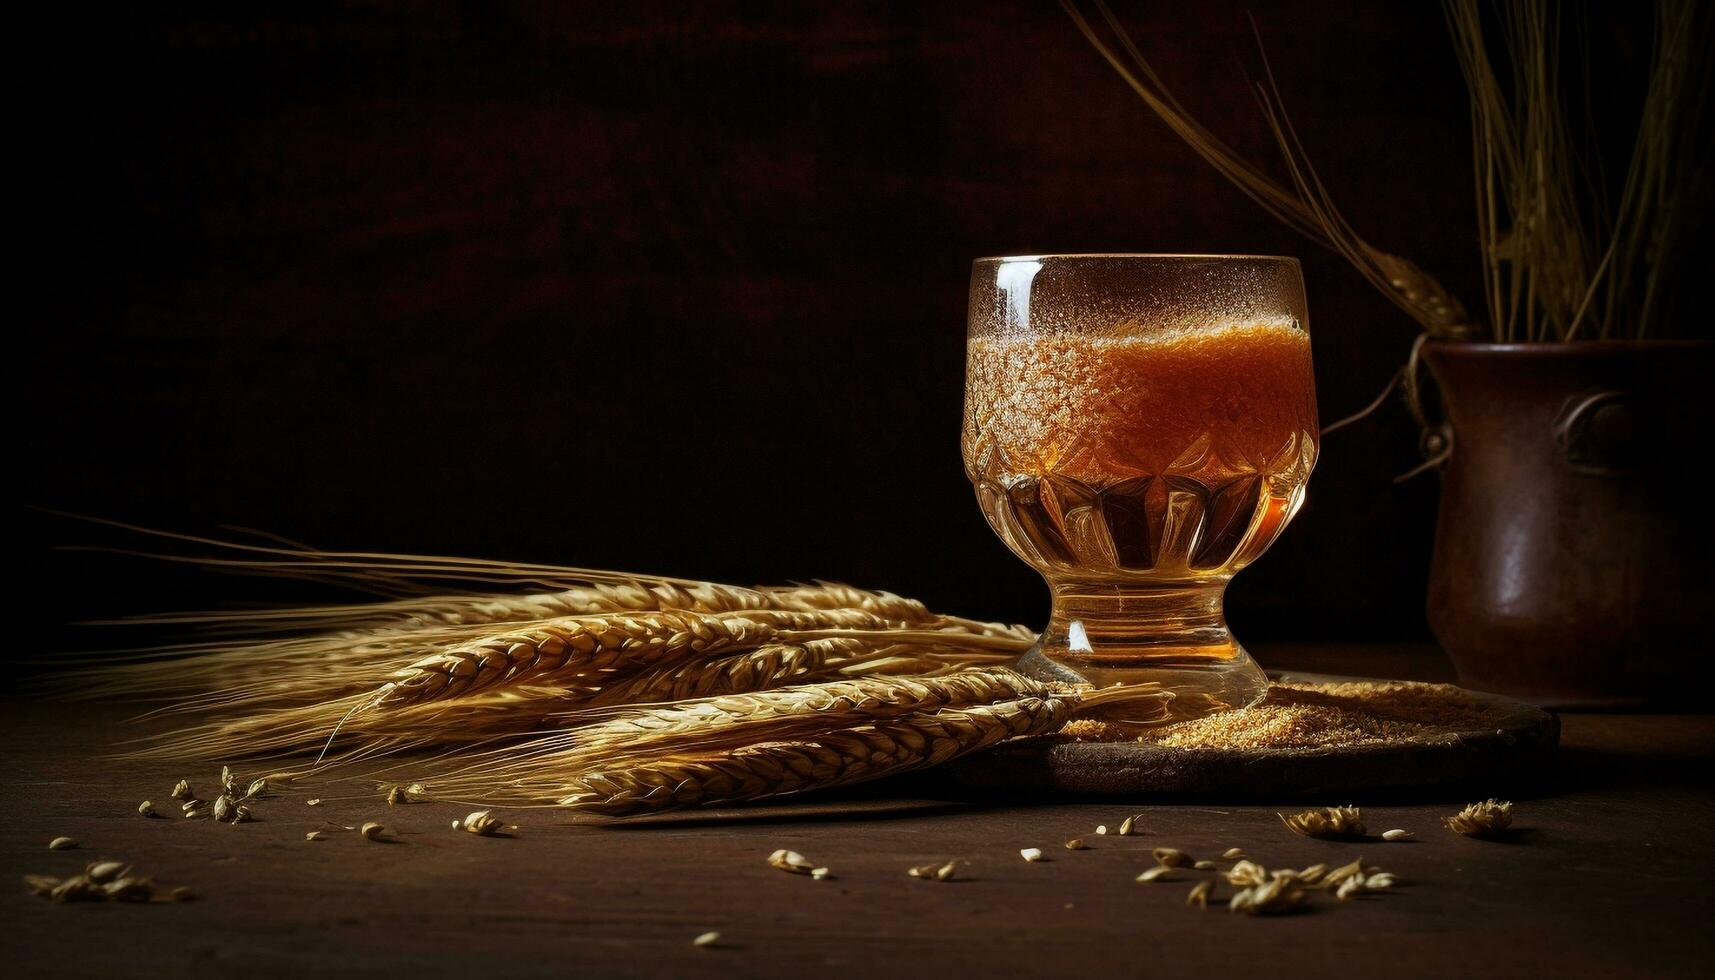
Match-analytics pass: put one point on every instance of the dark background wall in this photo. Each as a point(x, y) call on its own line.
point(668, 287)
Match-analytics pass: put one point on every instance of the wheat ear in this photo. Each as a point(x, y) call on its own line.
point(285, 696)
point(711, 734)
point(643, 594)
point(373, 645)
point(741, 747)
point(837, 758)
point(776, 665)
point(523, 709)
point(577, 647)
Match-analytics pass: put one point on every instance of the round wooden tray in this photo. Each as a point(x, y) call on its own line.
point(1506, 758)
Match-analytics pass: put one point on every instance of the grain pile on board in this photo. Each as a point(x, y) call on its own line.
point(1297, 715)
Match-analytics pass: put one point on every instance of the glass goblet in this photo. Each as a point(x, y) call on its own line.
point(1138, 428)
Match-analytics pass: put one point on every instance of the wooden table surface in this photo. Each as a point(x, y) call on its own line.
point(1610, 874)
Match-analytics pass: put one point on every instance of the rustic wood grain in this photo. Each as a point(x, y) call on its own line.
point(1608, 875)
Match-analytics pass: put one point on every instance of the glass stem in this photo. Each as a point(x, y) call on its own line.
point(1117, 626)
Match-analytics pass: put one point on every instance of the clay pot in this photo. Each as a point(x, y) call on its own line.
point(1573, 548)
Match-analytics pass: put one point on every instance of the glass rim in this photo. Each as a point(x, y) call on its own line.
point(1184, 256)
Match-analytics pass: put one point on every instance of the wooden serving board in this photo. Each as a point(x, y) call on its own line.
point(1506, 758)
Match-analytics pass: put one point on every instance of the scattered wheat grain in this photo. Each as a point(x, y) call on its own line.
point(1171, 857)
point(791, 862)
point(1273, 896)
point(1246, 874)
point(1339, 875)
point(129, 889)
point(481, 824)
point(102, 872)
point(77, 889)
point(1484, 819)
point(1333, 821)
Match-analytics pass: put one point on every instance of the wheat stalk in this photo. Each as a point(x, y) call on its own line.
point(249, 673)
point(634, 676)
point(256, 672)
point(439, 670)
point(839, 758)
point(791, 740)
point(422, 601)
point(574, 647)
point(768, 666)
point(779, 664)
point(765, 715)
point(633, 596)
point(480, 609)
point(650, 659)
point(1558, 265)
point(352, 648)
point(581, 647)
point(835, 595)
point(523, 709)
point(744, 747)
point(1307, 206)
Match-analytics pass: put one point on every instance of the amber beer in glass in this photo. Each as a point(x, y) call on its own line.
point(1139, 428)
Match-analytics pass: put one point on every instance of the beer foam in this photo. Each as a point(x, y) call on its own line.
point(1107, 405)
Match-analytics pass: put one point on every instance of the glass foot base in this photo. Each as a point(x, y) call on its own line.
point(1196, 688)
point(1157, 637)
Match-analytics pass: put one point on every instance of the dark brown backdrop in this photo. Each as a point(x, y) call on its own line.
point(670, 287)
